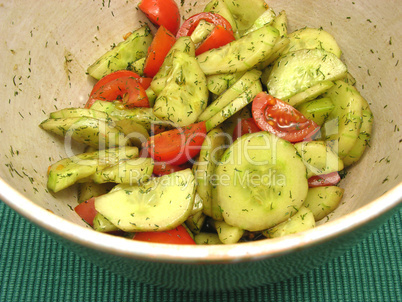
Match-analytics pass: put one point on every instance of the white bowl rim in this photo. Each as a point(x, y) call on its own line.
point(198, 254)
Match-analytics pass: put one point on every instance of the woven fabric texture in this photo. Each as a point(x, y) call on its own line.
point(34, 267)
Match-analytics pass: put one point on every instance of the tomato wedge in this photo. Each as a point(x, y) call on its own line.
point(163, 168)
point(178, 235)
point(127, 89)
point(281, 119)
point(244, 126)
point(219, 36)
point(191, 23)
point(160, 46)
point(330, 179)
point(162, 13)
point(86, 210)
point(177, 146)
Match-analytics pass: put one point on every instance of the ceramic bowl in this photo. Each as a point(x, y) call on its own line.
point(46, 48)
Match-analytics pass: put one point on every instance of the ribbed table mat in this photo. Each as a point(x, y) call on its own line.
point(34, 267)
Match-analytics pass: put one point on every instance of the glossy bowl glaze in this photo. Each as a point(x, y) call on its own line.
point(46, 48)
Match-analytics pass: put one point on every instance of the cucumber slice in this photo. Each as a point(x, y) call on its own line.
point(303, 220)
point(79, 112)
point(236, 105)
point(185, 95)
point(262, 182)
point(220, 7)
point(281, 23)
point(183, 44)
point(195, 222)
point(211, 152)
point(363, 140)
point(101, 224)
point(90, 131)
point(229, 125)
point(243, 84)
point(142, 116)
point(207, 239)
point(310, 93)
point(68, 171)
point(240, 55)
point(318, 157)
point(218, 83)
point(280, 44)
point(135, 132)
point(202, 31)
point(245, 12)
point(158, 205)
point(296, 71)
point(228, 234)
point(123, 55)
point(313, 38)
point(317, 110)
point(88, 190)
point(342, 127)
point(132, 172)
point(266, 18)
point(323, 200)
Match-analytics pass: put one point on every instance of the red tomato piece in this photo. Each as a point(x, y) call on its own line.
point(86, 210)
point(191, 23)
point(218, 37)
point(330, 179)
point(145, 82)
point(112, 76)
point(162, 13)
point(281, 119)
point(126, 89)
point(160, 46)
point(177, 146)
point(178, 235)
point(245, 126)
point(162, 168)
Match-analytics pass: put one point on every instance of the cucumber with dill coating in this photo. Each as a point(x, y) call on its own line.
point(240, 55)
point(161, 204)
point(262, 182)
point(123, 55)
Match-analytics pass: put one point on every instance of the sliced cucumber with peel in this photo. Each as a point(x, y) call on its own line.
point(211, 152)
point(161, 204)
point(218, 83)
point(318, 157)
point(310, 93)
point(343, 125)
point(317, 110)
point(262, 182)
point(323, 200)
point(303, 220)
point(297, 71)
point(123, 55)
point(363, 140)
point(228, 234)
point(240, 55)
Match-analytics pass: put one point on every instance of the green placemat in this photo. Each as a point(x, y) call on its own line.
point(34, 267)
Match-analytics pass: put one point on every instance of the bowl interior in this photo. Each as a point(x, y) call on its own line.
point(48, 45)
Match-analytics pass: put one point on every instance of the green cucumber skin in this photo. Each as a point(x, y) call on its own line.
point(79, 112)
point(317, 110)
point(161, 204)
point(297, 71)
point(323, 200)
point(123, 55)
point(265, 182)
point(218, 83)
point(68, 171)
point(240, 55)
